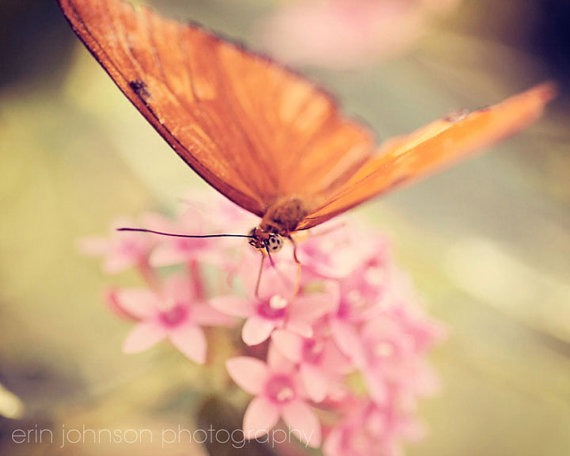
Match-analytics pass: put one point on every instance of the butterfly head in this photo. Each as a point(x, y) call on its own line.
point(280, 220)
point(267, 241)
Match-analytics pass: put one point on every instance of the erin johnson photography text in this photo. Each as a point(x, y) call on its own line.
point(82, 435)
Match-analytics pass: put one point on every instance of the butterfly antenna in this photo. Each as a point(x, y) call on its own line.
point(191, 236)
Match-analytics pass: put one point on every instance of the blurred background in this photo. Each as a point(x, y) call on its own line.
point(487, 243)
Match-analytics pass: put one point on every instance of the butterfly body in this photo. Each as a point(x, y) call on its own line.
point(268, 139)
point(284, 215)
point(280, 220)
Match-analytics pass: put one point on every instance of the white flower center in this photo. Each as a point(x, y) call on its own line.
point(285, 394)
point(280, 388)
point(277, 302)
point(383, 349)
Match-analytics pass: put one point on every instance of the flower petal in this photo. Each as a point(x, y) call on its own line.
point(139, 302)
point(299, 326)
point(333, 443)
point(376, 385)
point(178, 287)
point(348, 341)
point(205, 315)
point(231, 305)
point(261, 415)
point(289, 344)
point(315, 381)
point(256, 330)
point(302, 422)
point(143, 336)
point(312, 307)
point(249, 373)
point(114, 304)
point(278, 363)
point(191, 342)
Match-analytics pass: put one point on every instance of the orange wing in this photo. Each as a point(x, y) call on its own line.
point(437, 145)
point(252, 129)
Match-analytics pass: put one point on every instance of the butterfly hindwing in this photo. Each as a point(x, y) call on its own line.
point(435, 146)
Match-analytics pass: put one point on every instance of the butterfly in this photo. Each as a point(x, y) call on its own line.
point(264, 136)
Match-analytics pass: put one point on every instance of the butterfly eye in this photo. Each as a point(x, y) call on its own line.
point(274, 243)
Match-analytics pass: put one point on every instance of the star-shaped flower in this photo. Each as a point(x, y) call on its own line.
point(171, 314)
point(278, 394)
point(276, 307)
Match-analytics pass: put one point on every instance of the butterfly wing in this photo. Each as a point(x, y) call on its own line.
point(253, 130)
point(435, 146)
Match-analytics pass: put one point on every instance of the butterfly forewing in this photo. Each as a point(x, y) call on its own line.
point(252, 129)
point(433, 147)
point(306, 143)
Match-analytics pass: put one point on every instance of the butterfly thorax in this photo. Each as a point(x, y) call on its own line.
point(280, 219)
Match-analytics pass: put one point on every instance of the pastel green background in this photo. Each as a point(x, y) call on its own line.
point(487, 243)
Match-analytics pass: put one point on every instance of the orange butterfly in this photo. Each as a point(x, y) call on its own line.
point(266, 138)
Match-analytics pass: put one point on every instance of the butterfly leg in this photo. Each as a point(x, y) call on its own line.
point(258, 281)
point(294, 250)
point(298, 278)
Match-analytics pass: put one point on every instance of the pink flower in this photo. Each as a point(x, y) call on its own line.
point(203, 213)
point(278, 393)
point(312, 332)
point(231, 215)
point(364, 294)
point(388, 353)
point(391, 357)
point(321, 364)
point(182, 250)
point(335, 251)
point(121, 250)
point(360, 260)
point(367, 429)
point(347, 33)
point(170, 314)
point(277, 307)
point(419, 327)
point(366, 291)
point(114, 304)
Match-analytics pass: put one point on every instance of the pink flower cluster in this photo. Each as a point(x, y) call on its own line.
point(335, 348)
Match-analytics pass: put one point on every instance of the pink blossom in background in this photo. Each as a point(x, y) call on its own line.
point(120, 251)
point(369, 429)
point(335, 349)
point(195, 218)
point(320, 362)
point(278, 393)
point(347, 33)
point(176, 250)
point(389, 357)
point(333, 250)
point(171, 313)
